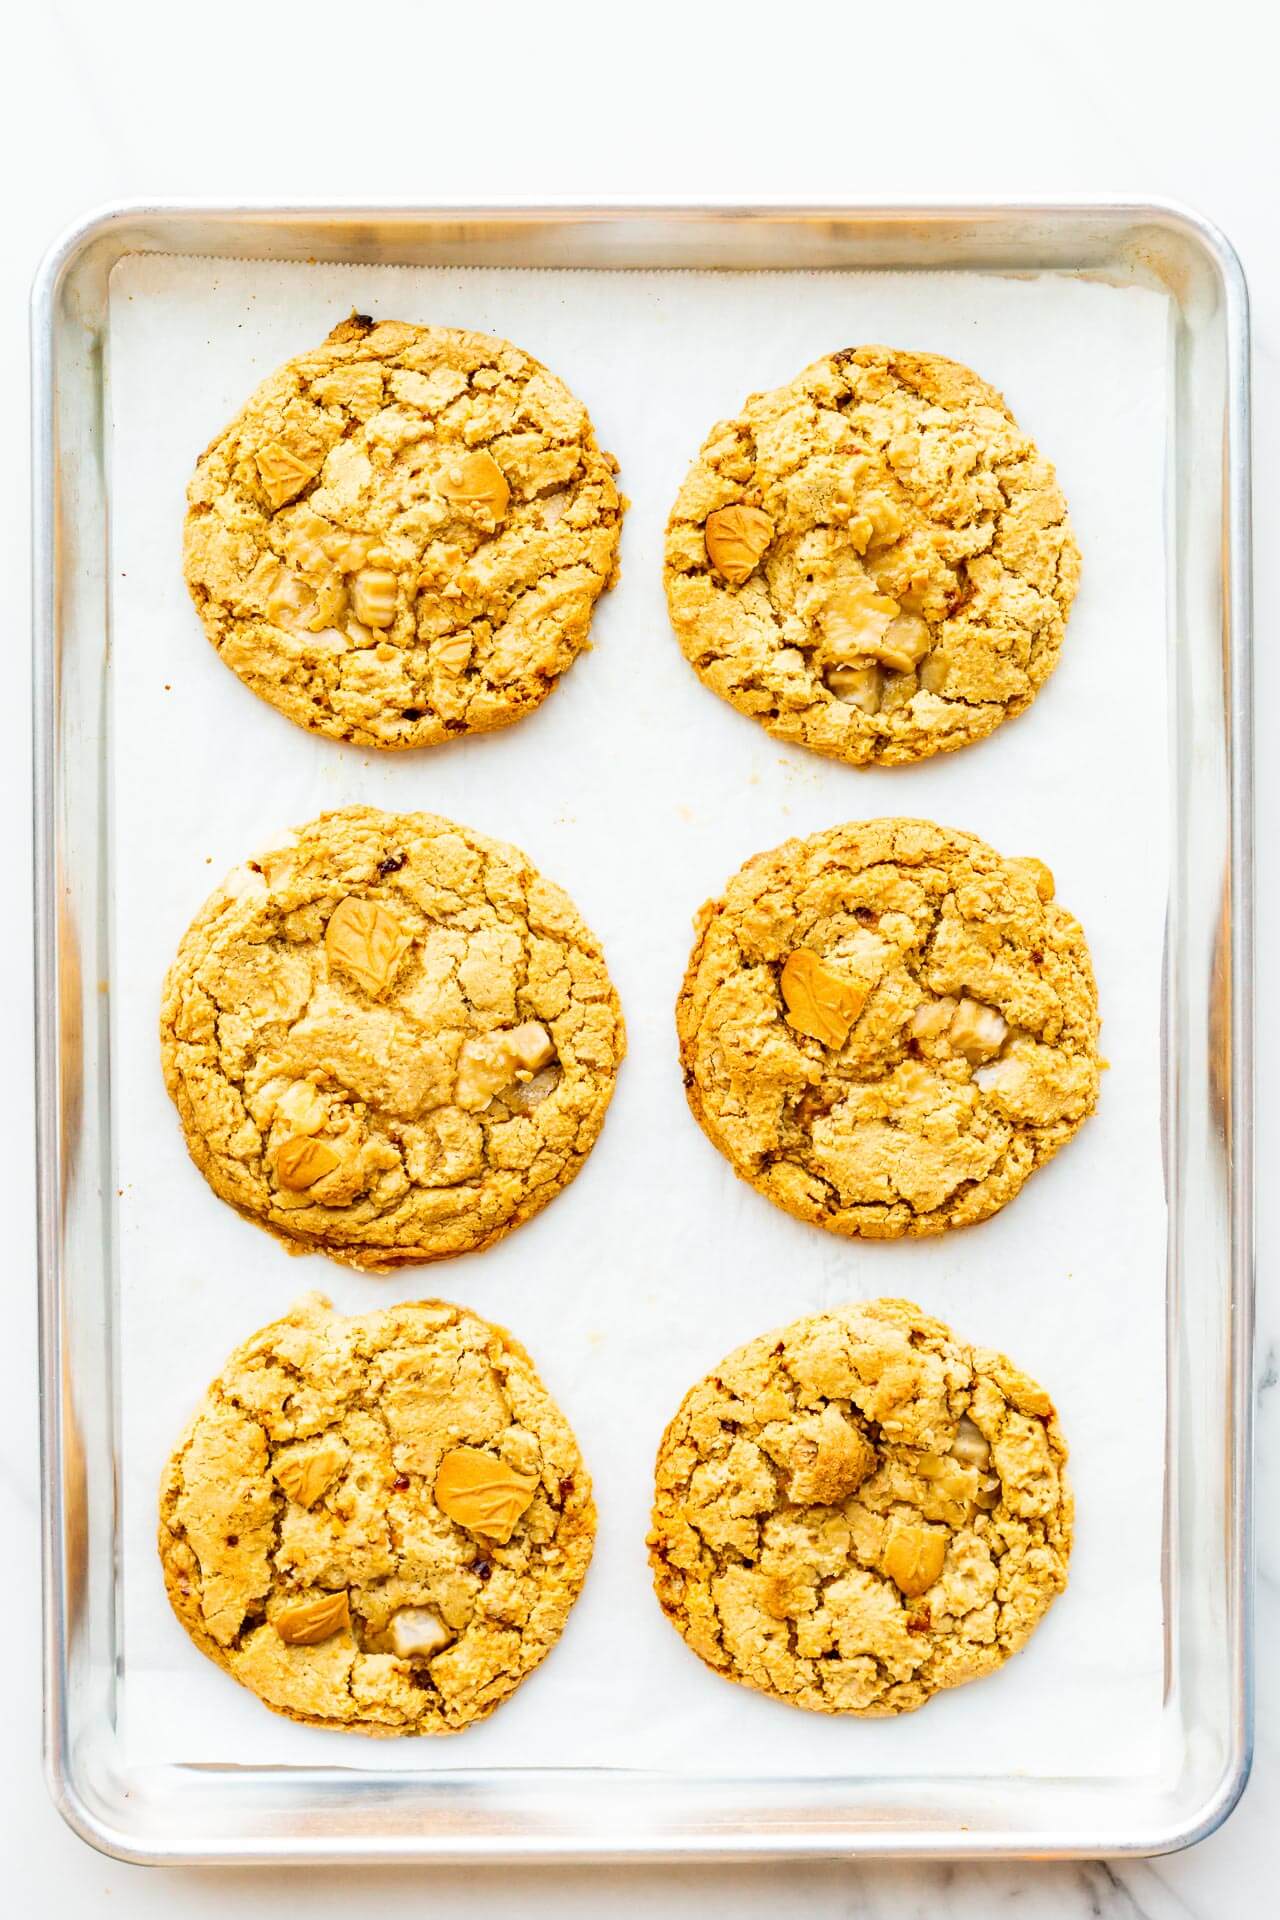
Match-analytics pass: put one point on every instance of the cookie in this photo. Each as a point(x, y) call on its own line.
point(860, 1510)
point(389, 1039)
point(377, 1523)
point(873, 561)
point(402, 536)
point(887, 1027)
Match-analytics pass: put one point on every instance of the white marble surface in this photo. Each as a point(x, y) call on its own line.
point(251, 99)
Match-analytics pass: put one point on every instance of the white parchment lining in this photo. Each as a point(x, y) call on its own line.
point(641, 792)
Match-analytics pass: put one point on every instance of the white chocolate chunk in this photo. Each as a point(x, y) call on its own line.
point(932, 1018)
point(418, 1630)
point(857, 686)
point(977, 1032)
point(491, 1061)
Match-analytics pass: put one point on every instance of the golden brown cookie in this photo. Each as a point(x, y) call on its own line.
point(873, 561)
point(402, 536)
point(887, 1027)
point(389, 1039)
point(859, 1510)
point(377, 1523)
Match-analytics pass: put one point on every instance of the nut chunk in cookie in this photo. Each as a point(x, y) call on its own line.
point(378, 1523)
point(860, 1510)
point(888, 1027)
point(403, 535)
point(389, 1039)
point(873, 561)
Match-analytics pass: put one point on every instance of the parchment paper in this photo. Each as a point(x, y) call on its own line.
point(641, 792)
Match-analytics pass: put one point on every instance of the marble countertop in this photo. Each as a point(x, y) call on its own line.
point(576, 100)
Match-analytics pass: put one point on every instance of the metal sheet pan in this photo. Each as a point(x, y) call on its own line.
point(243, 1814)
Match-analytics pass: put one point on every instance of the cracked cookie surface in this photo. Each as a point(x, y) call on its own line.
point(860, 1510)
point(389, 1039)
point(873, 561)
point(321, 1543)
point(402, 536)
point(887, 1027)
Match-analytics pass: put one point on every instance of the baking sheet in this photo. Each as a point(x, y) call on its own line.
point(640, 792)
